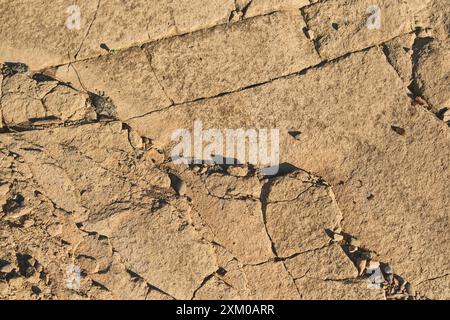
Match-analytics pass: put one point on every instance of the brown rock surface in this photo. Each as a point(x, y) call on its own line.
point(227, 58)
point(93, 206)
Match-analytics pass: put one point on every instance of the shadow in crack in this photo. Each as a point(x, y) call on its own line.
point(419, 47)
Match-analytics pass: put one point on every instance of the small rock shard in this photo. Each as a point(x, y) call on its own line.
point(398, 130)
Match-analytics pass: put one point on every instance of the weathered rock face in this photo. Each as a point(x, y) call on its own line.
point(92, 206)
point(228, 58)
point(26, 101)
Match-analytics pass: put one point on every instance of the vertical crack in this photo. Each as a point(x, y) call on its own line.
point(89, 29)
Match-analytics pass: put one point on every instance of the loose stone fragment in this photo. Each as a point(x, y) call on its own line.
point(237, 171)
point(410, 289)
point(361, 264)
point(398, 130)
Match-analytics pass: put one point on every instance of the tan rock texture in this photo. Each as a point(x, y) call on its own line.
point(93, 205)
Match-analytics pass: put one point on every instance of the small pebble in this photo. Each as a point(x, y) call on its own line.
point(373, 264)
point(178, 185)
point(309, 33)
point(352, 249)
point(28, 223)
point(338, 237)
point(237, 171)
point(398, 130)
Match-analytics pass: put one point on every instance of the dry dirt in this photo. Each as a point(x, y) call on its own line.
point(93, 207)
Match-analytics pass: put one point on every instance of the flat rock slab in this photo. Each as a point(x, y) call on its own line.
point(126, 77)
point(26, 101)
point(340, 27)
point(164, 249)
point(91, 94)
point(227, 58)
point(68, 168)
point(312, 289)
point(103, 26)
point(299, 224)
point(347, 121)
point(328, 263)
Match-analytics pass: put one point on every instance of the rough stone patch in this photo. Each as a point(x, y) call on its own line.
point(121, 283)
point(313, 289)
point(399, 53)
point(270, 281)
point(289, 188)
point(432, 74)
point(261, 7)
point(237, 225)
point(54, 43)
point(26, 101)
point(102, 198)
point(339, 27)
point(228, 58)
point(435, 17)
point(235, 222)
point(121, 24)
point(299, 225)
point(329, 263)
point(84, 180)
point(437, 288)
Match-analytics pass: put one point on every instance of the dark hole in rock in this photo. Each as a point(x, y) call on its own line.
point(11, 68)
point(398, 130)
point(440, 114)
point(295, 134)
point(25, 267)
point(279, 170)
point(221, 271)
point(13, 203)
point(177, 184)
point(104, 47)
point(36, 290)
point(104, 107)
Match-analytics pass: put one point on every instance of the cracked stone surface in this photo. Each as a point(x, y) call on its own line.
point(125, 77)
point(92, 206)
point(228, 58)
point(340, 26)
